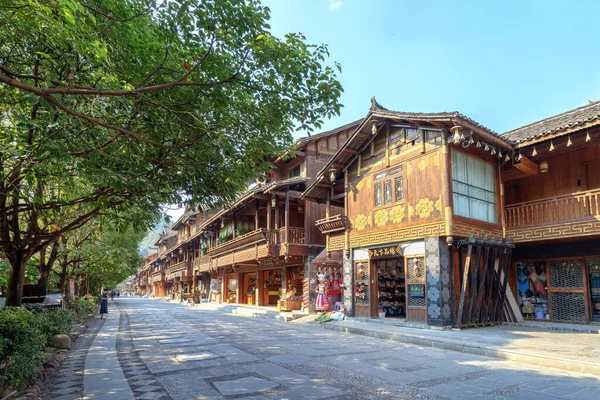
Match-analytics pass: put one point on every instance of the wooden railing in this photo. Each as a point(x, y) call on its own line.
point(332, 224)
point(200, 260)
point(252, 237)
point(296, 235)
point(182, 265)
point(571, 207)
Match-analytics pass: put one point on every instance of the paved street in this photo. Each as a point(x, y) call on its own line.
point(171, 351)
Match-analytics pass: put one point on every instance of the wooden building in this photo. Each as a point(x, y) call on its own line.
point(552, 212)
point(408, 185)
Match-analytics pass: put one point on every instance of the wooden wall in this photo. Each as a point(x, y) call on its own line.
point(561, 178)
point(423, 201)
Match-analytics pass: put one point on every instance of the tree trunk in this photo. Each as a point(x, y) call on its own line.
point(16, 279)
point(45, 267)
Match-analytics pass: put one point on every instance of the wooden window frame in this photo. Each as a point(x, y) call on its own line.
point(388, 176)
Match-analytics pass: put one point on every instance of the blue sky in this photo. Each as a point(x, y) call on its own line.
point(504, 64)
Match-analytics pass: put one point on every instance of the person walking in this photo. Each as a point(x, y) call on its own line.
point(104, 304)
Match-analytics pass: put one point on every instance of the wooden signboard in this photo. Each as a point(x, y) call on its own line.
point(384, 252)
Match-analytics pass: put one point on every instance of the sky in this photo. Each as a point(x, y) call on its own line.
point(504, 64)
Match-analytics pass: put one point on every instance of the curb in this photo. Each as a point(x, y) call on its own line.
point(548, 362)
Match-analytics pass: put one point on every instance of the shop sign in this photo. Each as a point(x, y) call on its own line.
point(389, 251)
point(229, 271)
point(268, 264)
point(416, 290)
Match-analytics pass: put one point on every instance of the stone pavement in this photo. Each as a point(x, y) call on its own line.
point(182, 352)
point(67, 384)
point(571, 351)
point(103, 377)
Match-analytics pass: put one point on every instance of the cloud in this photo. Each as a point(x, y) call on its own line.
point(334, 4)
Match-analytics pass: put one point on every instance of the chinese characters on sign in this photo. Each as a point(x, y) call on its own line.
point(390, 251)
point(416, 290)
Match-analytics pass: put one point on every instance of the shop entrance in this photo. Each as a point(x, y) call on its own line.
point(391, 288)
point(232, 286)
point(249, 288)
point(272, 287)
point(593, 265)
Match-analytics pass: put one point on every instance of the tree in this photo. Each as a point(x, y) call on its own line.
point(107, 105)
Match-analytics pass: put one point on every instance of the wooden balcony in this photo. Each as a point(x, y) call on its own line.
point(296, 235)
point(332, 224)
point(569, 208)
point(200, 260)
point(180, 266)
point(254, 237)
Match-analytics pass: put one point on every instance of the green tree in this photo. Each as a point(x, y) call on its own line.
point(107, 105)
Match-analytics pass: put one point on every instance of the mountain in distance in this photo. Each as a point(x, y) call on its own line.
point(152, 236)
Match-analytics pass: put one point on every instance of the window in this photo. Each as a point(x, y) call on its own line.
point(387, 192)
point(399, 182)
point(378, 197)
point(474, 187)
point(295, 171)
point(390, 186)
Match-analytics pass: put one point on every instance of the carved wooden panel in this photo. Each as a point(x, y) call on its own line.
point(574, 229)
point(390, 236)
point(336, 242)
point(463, 229)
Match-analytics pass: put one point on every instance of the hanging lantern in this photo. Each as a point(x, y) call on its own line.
point(471, 141)
point(374, 128)
point(273, 201)
point(569, 143)
point(493, 152)
point(478, 145)
point(456, 137)
point(462, 136)
point(587, 136)
point(499, 154)
point(507, 158)
point(486, 148)
point(332, 175)
point(534, 153)
point(551, 146)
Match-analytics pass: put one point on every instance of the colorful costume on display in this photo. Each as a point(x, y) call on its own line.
point(323, 303)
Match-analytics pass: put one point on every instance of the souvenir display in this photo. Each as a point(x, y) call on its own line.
point(391, 288)
point(532, 288)
point(361, 286)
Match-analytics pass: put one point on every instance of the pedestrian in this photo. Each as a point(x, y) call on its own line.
point(104, 304)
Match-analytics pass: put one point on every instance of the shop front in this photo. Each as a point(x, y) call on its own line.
point(390, 282)
point(559, 282)
point(407, 281)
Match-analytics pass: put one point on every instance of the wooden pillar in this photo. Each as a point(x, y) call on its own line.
point(422, 132)
point(234, 225)
point(284, 278)
point(327, 215)
point(346, 233)
point(269, 213)
point(446, 163)
point(387, 145)
point(256, 219)
point(223, 286)
point(259, 287)
point(194, 287)
point(276, 212)
point(287, 216)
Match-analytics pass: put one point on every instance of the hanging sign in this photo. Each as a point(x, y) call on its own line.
point(416, 290)
point(389, 251)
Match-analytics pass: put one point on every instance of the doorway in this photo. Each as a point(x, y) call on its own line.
point(391, 288)
point(249, 288)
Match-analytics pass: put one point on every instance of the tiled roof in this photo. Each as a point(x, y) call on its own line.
point(572, 118)
point(376, 108)
point(306, 139)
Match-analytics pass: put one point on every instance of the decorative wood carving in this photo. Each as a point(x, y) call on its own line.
point(408, 233)
point(572, 229)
